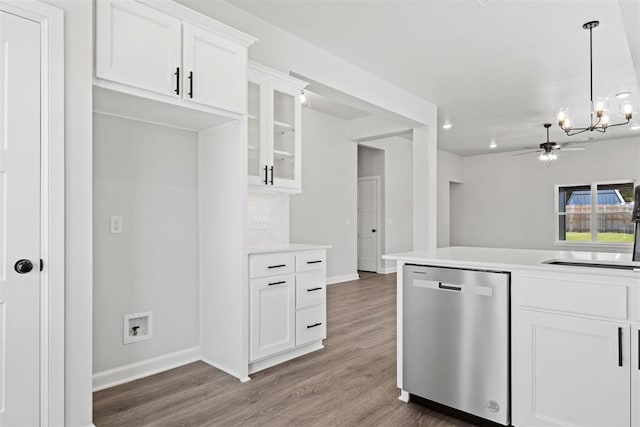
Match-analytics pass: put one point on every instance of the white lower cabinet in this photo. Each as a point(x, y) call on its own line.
point(272, 318)
point(575, 350)
point(574, 371)
point(287, 312)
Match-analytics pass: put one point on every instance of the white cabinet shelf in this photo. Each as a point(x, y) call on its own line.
point(274, 126)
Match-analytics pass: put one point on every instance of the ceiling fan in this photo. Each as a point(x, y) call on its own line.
point(547, 149)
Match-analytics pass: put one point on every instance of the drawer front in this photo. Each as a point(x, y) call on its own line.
point(271, 264)
point(311, 289)
point(574, 295)
point(311, 324)
point(311, 260)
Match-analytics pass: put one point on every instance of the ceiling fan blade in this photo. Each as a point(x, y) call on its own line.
point(572, 148)
point(527, 152)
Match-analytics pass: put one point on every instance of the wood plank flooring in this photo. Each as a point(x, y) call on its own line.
point(351, 382)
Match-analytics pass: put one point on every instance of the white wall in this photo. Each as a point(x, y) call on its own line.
point(450, 173)
point(509, 201)
point(398, 201)
point(148, 174)
point(78, 64)
point(325, 211)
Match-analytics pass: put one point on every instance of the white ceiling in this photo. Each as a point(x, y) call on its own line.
point(495, 69)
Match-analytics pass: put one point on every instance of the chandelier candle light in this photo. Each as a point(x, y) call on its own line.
point(599, 108)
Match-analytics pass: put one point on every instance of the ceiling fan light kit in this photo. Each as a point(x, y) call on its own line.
point(600, 120)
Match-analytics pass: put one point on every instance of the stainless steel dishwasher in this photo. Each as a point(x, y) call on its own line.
point(456, 339)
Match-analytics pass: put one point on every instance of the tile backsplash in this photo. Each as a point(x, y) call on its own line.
point(268, 219)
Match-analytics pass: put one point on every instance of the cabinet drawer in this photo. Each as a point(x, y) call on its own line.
point(311, 289)
point(574, 295)
point(271, 264)
point(311, 324)
point(311, 260)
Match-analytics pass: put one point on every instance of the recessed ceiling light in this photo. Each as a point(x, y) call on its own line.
point(623, 95)
point(447, 125)
point(493, 144)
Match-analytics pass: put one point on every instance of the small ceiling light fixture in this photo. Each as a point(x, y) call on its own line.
point(623, 95)
point(447, 125)
point(304, 99)
point(493, 144)
point(600, 120)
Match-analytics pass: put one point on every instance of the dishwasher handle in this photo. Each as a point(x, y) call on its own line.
point(449, 287)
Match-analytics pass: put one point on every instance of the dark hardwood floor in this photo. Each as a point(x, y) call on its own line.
point(351, 382)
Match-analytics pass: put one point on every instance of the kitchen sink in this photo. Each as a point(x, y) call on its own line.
point(592, 264)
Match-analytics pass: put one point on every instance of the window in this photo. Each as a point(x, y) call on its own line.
point(596, 213)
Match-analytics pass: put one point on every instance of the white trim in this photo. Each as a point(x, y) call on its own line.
point(144, 368)
point(388, 270)
point(52, 247)
point(284, 356)
point(242, 378)
point(404, 396)
point(340, 279)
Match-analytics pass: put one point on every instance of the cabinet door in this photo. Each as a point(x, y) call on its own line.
point(272, 315)
point(285, 136)
point(635, 375)
point(570, 371)
point(215, 70)
point(257, 131)
point(137, 45)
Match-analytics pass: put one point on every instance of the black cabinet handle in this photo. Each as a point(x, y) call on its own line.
point(277, 266)
point(190, 84)
point(265, 175)
point(313, 289)
point(277, 283)
point(619, 346)
point(449, 287)
point(314, 262)
point(271, 182)
point(177, 74)
point(314, 325)
point(639, 349)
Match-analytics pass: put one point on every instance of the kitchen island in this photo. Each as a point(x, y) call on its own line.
point(574, 330)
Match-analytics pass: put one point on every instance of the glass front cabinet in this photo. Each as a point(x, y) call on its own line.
point(274, 131)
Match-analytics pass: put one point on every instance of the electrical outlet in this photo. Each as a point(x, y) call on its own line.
point(116, 224)
point(260, 223)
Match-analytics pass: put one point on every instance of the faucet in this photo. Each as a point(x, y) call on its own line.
point(635, 217)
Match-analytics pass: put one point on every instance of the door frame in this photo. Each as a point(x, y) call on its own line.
point(52, 204)
point(379, 229)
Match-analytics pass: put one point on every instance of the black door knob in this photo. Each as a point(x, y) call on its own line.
point(23, 266)
point(373, 231)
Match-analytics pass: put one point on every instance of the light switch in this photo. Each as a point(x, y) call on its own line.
point(116, 224)
point(260, 223)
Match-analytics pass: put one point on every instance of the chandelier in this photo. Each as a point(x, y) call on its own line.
point(599, 115)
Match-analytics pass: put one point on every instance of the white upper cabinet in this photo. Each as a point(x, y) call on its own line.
point(170, 53)
point(275, 131)
point(137, 46)
point(215, 70)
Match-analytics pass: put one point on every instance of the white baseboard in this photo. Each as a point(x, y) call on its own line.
point(388, 270)
point(339, 279)
point(242, 378)
point(283, 357)
point(144, 368)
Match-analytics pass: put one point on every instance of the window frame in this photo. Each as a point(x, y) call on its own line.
point(593, 220)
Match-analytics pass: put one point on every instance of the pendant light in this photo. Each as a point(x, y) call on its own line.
point(599, 115)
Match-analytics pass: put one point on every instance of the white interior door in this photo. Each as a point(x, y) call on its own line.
point(19, 221)
point(368, 224)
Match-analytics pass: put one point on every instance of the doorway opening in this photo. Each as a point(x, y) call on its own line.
point(370, 208)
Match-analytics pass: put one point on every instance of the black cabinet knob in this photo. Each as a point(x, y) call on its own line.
point(23, 266)
point(373, 231)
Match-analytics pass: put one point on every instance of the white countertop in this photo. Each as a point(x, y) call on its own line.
point(285, 247)
point(509, 259)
